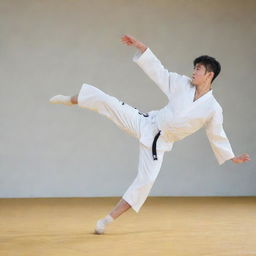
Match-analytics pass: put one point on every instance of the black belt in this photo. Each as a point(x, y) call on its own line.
point(155, 139)
point(154, 145)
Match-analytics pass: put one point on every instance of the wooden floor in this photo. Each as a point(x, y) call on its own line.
point(178, 226)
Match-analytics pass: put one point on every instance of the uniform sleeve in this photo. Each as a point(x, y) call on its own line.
point(218, 139)
point(150, 64)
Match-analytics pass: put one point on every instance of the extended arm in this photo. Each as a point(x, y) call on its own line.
point(152, 66)
point(219, 141)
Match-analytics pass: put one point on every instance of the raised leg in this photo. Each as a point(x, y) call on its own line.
point(123, 115)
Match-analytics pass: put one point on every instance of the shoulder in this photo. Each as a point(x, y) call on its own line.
point(180, 77)
point(214, 110)
point(216, 106)
point(180, 84)
point(216, 113)
point(179, 81)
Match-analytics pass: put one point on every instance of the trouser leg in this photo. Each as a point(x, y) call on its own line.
point(148, 170)
point(123, 115)
point(128, 119)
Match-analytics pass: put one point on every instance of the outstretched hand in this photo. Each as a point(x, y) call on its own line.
point(241, 159)
point(131, 41)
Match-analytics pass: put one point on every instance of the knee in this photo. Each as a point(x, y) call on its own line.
point(148, 179)
point(146, 184)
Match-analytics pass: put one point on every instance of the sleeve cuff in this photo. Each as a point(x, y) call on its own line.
point(140, 57)
point(223, 160)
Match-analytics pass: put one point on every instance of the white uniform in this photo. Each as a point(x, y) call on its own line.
point(178, 119)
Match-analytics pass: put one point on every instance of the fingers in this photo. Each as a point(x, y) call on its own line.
point(126, 39)
point(242, 158)
point(245, 157)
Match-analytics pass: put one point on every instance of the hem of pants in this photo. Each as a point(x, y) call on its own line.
point(132, 205)
point(82, 89)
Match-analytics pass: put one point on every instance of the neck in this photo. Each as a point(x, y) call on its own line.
point(203, 88)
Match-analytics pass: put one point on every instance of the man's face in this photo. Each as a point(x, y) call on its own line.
point(201, 75)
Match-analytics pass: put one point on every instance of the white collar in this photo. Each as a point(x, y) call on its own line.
point(203, 97)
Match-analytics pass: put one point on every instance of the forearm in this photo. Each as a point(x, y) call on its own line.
point(218, 138)
point(149, 63)
point(152, 66)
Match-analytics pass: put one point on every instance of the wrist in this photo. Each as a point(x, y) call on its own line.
point(141, 47)
point(233, 159)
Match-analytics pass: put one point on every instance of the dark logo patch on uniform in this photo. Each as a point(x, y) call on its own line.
point(144, 114)
point(141, 113)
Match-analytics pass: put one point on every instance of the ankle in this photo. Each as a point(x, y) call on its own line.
point(107, 219)
point(74, 99)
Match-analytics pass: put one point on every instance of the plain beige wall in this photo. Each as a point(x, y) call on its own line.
point(52, 47)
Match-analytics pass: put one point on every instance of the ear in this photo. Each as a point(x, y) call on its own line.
point(210, 75)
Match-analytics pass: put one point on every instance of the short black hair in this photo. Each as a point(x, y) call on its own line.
point(210, 63)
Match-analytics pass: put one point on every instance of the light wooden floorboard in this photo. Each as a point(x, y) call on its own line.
point(178, 226)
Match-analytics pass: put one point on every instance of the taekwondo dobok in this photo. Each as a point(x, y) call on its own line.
point(157, 130)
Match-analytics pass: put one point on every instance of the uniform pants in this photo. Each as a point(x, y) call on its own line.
point(134, 123)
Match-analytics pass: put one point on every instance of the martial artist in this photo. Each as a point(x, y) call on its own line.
point(191, 106)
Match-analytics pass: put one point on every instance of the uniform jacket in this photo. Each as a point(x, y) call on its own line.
point(181, 116)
